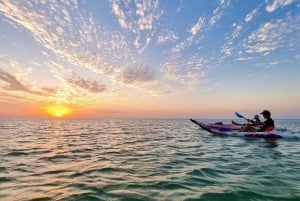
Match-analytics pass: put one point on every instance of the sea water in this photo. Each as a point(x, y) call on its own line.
point(143, 160)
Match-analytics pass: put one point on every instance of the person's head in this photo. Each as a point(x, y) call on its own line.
point(266, 113)
point(256, 117)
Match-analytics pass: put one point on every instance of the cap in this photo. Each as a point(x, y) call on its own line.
point(267, 112)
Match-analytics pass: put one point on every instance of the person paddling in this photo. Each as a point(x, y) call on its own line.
point(255, 121)
point(267, 125)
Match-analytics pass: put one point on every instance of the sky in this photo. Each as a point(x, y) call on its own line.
point(149, 59)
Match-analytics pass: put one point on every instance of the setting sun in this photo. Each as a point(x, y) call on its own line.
point(58, 111)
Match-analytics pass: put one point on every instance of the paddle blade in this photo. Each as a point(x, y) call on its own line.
point(239, 115)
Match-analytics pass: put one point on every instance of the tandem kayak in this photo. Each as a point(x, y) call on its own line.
point(235, 133)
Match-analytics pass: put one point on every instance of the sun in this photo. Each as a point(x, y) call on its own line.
point(58, 111)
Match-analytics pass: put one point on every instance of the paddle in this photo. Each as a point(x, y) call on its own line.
point(236, 123)
point(252, 122)
point(241, 116)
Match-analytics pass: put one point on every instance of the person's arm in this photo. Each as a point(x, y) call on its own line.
point(257, 123)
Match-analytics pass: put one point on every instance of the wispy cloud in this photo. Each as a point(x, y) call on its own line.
point(229, 40)
point(89, 85)
point(74, 88)
point(272, 35)
point(184, 44)
point(195, 29)
point(137, 17)
point(143, 11)
point(252, 14)
point(218, 12)
point(244, 58)
point(186, 71)
point(12, 83)
point(15, 79)
point(277, 4)
point(136, 74)
point(169, 36)
point(78, 40)
point(202, 26)
point(120, 14)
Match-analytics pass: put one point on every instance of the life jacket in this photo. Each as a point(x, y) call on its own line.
point(269, 128)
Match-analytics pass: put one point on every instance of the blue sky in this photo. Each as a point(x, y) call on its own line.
point(170, 59)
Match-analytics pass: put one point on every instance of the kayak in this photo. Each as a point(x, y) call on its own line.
point(240, 125)
point(236, 133)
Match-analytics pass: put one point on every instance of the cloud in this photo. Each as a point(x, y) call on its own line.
point(229, 40)
point(141, 46)
point(186, 71)
point(184, 44)
point(120, 14)
point(141, 17)
point(74, 88)
point(218, 12)
point(49, 90)
point(195, 29)
point(92, 86)
point(137, 17)
point(273, 35)
point(244, 58)
point(117, 54)
point(202, 26)
point(277, 4)
point(145, 14)
point(15, 79)
point(76, 39)
point(136, 74)
point(252, 14)
point(169, 36)
point(13, 83)
point(14, 98)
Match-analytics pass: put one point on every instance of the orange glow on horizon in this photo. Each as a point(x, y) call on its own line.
point(58, 111)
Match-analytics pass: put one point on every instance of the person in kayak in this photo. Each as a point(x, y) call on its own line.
point(255, 121)
point(267, 125)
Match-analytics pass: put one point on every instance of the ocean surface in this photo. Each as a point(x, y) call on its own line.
point(133, 160)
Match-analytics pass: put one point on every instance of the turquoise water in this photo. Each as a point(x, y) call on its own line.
point(142, 160)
